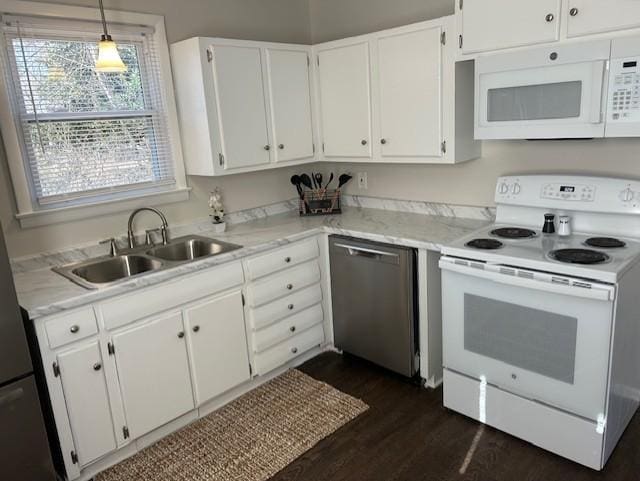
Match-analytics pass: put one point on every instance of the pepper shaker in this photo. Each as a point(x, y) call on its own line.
point(549, 224)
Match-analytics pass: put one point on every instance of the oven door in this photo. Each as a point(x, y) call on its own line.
point(530, 96)
point(526, 333)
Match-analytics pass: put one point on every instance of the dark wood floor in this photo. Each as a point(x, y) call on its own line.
point(408, 435)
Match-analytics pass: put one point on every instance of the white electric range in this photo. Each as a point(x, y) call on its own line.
point(540, 331)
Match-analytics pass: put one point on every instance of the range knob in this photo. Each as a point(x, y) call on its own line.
point(503, 188)
point(627, 195)
point(516, 189)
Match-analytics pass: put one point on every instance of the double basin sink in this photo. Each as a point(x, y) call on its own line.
point(108, 270)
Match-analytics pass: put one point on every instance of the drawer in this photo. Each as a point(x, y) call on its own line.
point(287, 328)
point(71, 327)
point(283, 283)
point(287, 306)
point(282, 258)
point(289, 350)
point(125, 309)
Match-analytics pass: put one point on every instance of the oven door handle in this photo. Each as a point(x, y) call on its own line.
point(598, 292)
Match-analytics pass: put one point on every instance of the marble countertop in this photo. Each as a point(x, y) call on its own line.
point(42, 292)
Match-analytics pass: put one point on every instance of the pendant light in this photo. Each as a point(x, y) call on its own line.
point(109, 60)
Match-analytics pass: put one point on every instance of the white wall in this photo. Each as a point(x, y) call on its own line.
point(271, 20)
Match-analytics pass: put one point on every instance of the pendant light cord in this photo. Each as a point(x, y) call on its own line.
point(104, 22)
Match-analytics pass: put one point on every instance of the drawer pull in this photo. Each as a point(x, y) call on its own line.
point(289, 286)
point(294, 350)
point(287, 259)
point(290, 307)
point(74, 329)
point(196, 328)
point(292, 328)
point(97, 366)
point(180, 334)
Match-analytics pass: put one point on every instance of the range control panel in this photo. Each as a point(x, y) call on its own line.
point(579, 193)
point(624, 90)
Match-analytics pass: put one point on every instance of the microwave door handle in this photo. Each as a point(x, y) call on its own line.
point(601, 293)
point(598, 90)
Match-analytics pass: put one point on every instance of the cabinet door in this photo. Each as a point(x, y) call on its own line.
point(85, 393)
point(593, 16)
point(240, 97)
point(409, 73)
point(345, 100)
point(496, 24)
point(290, 95)
point(218, 346)
point(153, 369)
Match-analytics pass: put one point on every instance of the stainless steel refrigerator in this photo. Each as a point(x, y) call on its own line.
point(24, 448)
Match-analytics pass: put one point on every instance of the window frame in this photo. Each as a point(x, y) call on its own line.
point(29, 212)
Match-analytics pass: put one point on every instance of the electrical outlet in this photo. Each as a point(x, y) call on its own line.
point(362, 181)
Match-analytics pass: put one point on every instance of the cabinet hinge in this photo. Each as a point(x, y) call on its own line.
point(323, 147)
point(250, 370)
point(221, 159)
point(443, 38)
point(461, 3)
point(308, 61)
point(111, 348)
point(443, 147)
point(459, 41)
point(56, 369)
point(313, 148)
point(243, 301)
point(74, 457)
point(209, 56)
point(125, 432)
point(318, 59)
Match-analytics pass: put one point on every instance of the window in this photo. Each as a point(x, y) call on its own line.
point(87, 137)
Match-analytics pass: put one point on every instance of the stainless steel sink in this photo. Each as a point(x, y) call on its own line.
point(190, 248)
point(105, 271)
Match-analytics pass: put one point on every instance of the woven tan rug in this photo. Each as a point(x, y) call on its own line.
point(249, 439)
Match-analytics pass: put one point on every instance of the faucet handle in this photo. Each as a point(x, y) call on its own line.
point(113, 246)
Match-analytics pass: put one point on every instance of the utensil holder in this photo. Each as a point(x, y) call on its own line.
point(320, 202)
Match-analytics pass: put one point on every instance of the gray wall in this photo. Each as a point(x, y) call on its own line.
point(271, 20)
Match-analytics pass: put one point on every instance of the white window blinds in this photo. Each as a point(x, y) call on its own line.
point(86, 134)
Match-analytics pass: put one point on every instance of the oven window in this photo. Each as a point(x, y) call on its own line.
point(535, 102)
point(531, 339)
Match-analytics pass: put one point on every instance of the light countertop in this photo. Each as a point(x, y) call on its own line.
point(42, 292)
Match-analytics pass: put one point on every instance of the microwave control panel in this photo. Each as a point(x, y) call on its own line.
point(624, 90)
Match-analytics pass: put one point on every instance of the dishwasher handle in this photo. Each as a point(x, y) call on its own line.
point(366, 252)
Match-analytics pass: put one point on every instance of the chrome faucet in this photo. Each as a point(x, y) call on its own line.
point(163, 229)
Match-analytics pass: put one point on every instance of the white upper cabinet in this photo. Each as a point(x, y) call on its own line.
point(497, 24)
point(290, 95)
point(409, 75)
point(218, 346)
point(594, 16)
point(242, 117)
point(85, 393)
point(243, 106)
point(345, 99)
point(153, 370)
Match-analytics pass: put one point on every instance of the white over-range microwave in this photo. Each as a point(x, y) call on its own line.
point(579, 90)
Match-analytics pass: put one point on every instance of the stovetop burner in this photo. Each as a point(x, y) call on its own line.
point(487, 244)
point(605, 242)
point(579, 256)
point(513, 233)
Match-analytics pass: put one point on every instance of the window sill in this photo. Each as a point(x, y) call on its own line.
point(86, 211)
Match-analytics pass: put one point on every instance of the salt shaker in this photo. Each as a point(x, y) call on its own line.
point(564, 226)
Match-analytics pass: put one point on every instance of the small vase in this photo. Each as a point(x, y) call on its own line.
point(219, 227)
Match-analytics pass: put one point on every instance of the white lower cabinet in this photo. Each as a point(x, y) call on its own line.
point(153, 369)
point(217, 345)
point(85, 393)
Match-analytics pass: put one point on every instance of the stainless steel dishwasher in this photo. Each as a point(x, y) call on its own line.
point(373, 287)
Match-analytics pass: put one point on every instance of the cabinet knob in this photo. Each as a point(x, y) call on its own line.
point(267, 147)
point(294, 350)
point(97, 366)
point(281, 146)
point(290, 307)
point(292, 328)
point(289, 287)
point(364, 142)
point(383, 141)
point(287, 259)
point(574, 11)
point(196, 328)
point(74, 329)
point(550, 17)
point(181, 334)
